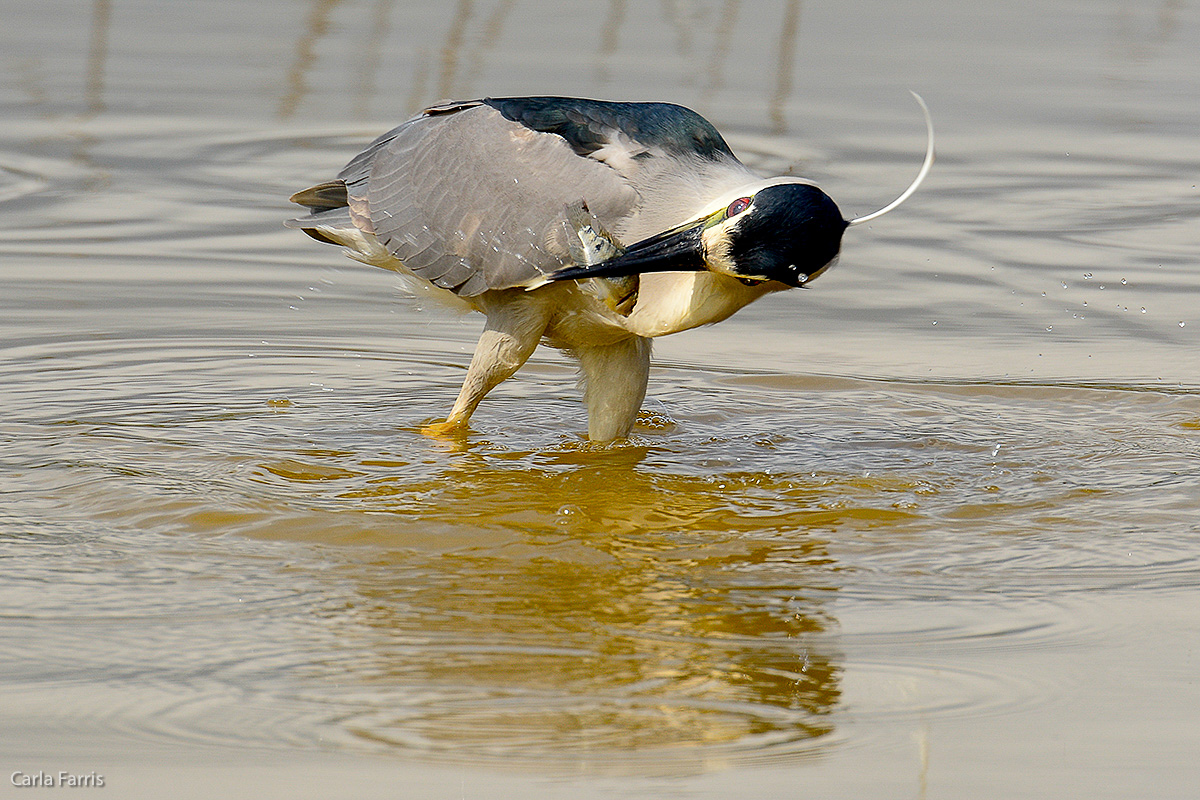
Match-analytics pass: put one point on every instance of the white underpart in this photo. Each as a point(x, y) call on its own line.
point(670, 302)
point(366, 248)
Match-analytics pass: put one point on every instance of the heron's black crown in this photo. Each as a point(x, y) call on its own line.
point(793, 234)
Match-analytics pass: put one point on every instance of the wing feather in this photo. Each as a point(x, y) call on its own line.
point(471, 201)
point(471, 195)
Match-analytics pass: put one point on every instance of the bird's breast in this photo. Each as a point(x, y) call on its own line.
point(669, 302)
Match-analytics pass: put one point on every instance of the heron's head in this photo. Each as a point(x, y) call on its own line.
point(786, 232)
point(781, 229)
point(777, 230)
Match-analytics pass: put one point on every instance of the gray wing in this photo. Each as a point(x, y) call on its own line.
point(471, 200)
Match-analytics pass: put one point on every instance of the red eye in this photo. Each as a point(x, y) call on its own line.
point(737, 206)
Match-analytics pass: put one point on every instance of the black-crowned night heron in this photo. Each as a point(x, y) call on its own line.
point(474, 199)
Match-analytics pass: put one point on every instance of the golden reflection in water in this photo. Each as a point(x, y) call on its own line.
point(95, 69)
point(459, 65)
point(726, 25)
point(97, 55)
point(455, 36)
point(610, 37)
point(556, 601)
point(316, 26)
point(1136, 38)
point(681, 17)
point(493, 27)
point(418, 92)
point(788, 35)
point(378, 28)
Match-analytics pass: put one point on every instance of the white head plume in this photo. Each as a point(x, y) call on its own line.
point(920, 175)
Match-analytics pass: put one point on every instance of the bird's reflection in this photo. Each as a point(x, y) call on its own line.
point(584, 603)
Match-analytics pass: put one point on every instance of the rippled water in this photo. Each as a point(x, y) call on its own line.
point(927, 529)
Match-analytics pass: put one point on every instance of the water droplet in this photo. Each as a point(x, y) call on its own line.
point(1102, 287)
point(1143, 309)
point(1064, 284)
point(1087, 276)
point(1085, 303)
point(1181, 323)
point(1124, 282)
point(1048, 329)
point(566, 513)
point(935, 322)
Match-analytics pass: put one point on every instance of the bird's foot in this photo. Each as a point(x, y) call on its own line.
point(450, 428)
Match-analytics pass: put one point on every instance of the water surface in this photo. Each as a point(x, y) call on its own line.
point(927, 529)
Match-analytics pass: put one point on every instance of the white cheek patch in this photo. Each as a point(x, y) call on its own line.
point(717, 255)
point(718, 248)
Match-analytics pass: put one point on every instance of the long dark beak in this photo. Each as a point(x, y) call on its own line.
point(676, 250)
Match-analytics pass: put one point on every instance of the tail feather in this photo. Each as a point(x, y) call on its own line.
point(326, 225)
point(323, 197)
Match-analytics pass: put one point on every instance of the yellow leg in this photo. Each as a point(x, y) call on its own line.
point(511, 335)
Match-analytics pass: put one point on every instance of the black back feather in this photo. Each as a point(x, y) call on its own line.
point(588, 125)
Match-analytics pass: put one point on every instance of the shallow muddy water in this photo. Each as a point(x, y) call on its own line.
point(928, 529)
